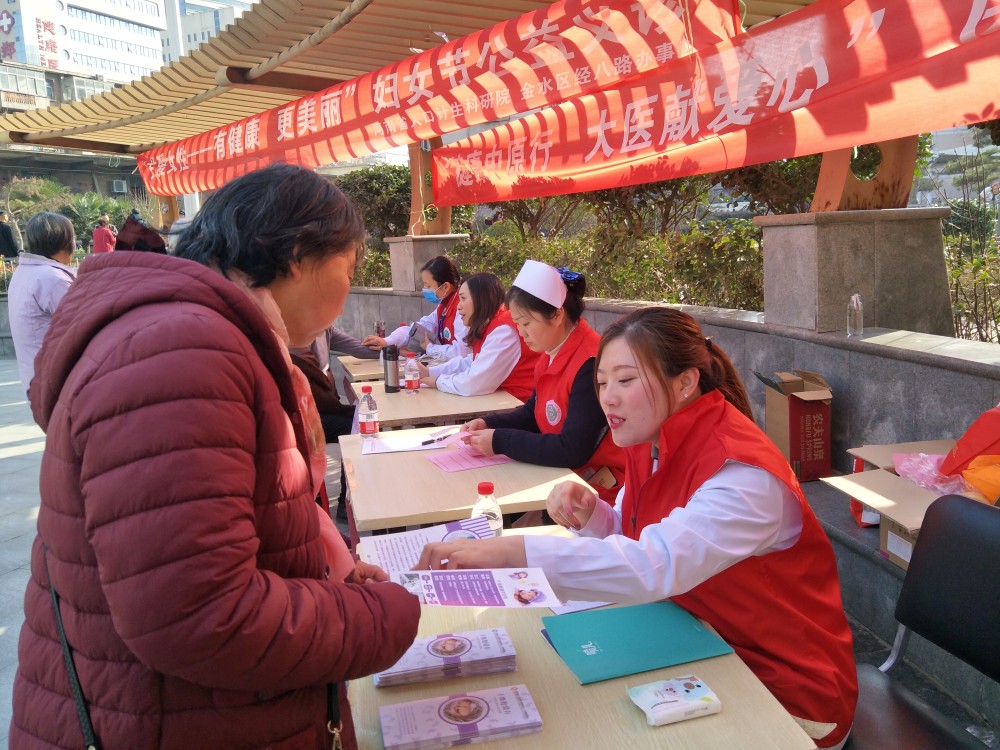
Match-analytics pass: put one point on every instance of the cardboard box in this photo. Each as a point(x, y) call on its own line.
point(880, 457)
point(901, 503)
point(797, 419)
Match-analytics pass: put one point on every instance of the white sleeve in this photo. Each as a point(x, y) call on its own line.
point(457, 347)
point(740, 512)
point(497, 359)
point(399, 337)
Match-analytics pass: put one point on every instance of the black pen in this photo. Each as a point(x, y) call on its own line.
point(438, 439)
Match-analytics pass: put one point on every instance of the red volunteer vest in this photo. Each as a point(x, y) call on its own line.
point(782, 611)
point(553, 383)
point(446, 310)
point(520, 382)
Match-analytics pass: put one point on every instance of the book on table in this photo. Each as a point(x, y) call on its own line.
point(605, 643)
point(460, 719)
point(452, 655)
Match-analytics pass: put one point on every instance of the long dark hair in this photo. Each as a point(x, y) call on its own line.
point(263, 221)
point(443, 270)
point(487, 298)
point(576, 290)
point(666, 342)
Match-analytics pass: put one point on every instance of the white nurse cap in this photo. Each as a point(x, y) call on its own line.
point(542, 281)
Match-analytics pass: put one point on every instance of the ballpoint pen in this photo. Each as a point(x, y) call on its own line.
point(440, 437)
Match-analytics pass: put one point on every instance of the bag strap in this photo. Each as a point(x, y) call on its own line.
point(333, 722)
point(82, 713)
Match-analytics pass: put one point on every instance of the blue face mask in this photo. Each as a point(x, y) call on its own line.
point(431, 295)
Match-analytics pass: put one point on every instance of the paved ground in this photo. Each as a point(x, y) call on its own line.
point(21, 443)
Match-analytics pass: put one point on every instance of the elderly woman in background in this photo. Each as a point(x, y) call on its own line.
point(204, 597)
point(42, 278)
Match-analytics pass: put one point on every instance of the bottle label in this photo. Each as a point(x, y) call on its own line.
point(413, 385)
point(368, 427)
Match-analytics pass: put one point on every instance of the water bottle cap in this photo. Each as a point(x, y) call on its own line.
point(366, 389)
point(411, 355)
point(486, 488)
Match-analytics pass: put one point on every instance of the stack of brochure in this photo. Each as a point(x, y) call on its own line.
point(452, 655)
point(459, 719)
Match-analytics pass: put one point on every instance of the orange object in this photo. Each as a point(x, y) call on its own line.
point(981, 439)
point(984, 474)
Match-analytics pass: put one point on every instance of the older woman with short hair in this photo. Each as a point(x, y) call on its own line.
point(42, 278)
point(203, 600)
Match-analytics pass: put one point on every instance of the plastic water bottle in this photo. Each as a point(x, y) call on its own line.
point(367, 413)
point(855, 317)
point(412, 374)
point(488, 506)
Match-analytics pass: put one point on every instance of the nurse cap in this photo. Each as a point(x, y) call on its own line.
point(543, 281)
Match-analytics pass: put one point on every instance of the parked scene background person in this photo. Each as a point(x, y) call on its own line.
point(42, 278)
point(104, 235)
point(203, 601)
point(499, 358)
point(10, 238)
point(443, 332)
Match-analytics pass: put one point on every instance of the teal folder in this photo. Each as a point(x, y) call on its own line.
point(601, 644)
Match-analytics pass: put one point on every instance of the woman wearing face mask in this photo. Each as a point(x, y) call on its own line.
point(499, 358)
point(444, 331)
point(711, 516)
point(561, 424)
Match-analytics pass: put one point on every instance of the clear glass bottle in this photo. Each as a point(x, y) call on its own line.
point(411, 374)
point(367, 413)
point(488, 506)
point(855, 317)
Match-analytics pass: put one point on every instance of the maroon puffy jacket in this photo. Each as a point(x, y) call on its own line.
point(182, 534)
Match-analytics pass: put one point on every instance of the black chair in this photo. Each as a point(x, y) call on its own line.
point(951, 597)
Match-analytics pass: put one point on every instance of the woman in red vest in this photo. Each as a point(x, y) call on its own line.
point(561, 424)
point(443, 331)
point(711, 516)
point(499, 360)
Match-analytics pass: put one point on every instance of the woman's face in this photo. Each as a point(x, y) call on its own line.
point(539, 333)
point(465, 306)
point(441, 290)
point(312, 296)
point(634, 403)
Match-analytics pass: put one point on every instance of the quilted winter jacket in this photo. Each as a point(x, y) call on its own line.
point(180, 527)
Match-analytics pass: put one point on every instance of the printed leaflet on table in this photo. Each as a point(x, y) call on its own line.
point(459, 719)
point(452, 655)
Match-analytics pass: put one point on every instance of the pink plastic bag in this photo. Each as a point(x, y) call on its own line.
point(925, 470)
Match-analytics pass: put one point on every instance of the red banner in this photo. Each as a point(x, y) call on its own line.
point(835, 74)
point(569, 48)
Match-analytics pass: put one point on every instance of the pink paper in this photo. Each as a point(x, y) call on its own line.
point(461, 457)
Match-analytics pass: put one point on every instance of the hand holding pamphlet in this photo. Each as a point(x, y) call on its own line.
point(402, 551)
point(505, 587)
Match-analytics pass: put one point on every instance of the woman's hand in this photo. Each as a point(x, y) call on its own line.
point(480, 440)
point(430, 381)
point(367, 573)
point(571, 505)
point(501, 552)
point(427, 339)
point(422, 368)
point(473, 425)
point(374, 342)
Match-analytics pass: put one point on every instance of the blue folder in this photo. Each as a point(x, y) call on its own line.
point(601, 644)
